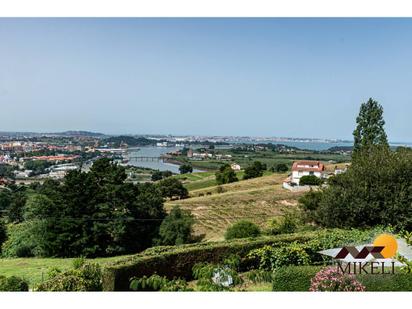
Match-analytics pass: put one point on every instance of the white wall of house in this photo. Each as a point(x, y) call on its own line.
point(296, 175)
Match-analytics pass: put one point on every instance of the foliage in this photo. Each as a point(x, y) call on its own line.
point(13, 284)
point(310, 180)
point(225, 174)
point(330, 279)
point(211, 277)
point(309, 203)
point(259, 275)
point(177, 261)
point(22, 240)
point(242, 229)
point(85, 277)
point(3, 233)
point(37, 166)
point(270, 258)
point(6, 170)
point(294, 278)
point(176, 228)
point(159, 175)
point(288, 223)
point(158, 283)
point(281, 168)
point(93, 213)
point(12, 201)
point(185, 168)
point(117, 141)
point(374, 191)
point(172, 188)
point(370, 127)
point(255, 170)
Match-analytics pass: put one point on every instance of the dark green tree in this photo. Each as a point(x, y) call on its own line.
point(281, 168)
point(370, 126)
point(185, 169)
point(176, 228)
point(172, 188)
point(310, 180)
point(254, 170)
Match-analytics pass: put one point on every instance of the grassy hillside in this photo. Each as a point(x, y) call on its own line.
point(256, 199)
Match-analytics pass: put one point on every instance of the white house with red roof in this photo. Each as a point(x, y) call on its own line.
point(306, 168)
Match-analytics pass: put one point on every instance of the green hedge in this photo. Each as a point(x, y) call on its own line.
point(297, 278)
point(177, 261)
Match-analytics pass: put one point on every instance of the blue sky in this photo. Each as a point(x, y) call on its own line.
point(256, 77)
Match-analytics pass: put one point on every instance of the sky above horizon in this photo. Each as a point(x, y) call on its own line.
point(244, 77)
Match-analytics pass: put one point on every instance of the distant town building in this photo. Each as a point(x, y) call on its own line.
point(190, 153)
point(306, 168)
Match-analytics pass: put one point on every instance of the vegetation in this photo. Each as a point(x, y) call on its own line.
point(158, 283)
point(176, 228)
point(83, 277)
point(13, 284)
point(310, 180)
point(287, 223)
point(159, 175)
point(225, 174)
point(172, 188)
point(90, 214)
point(330, 279)
point(117, 141)
point(185, 168)
point(37, 166)
point(281, 168)
point(370, 127)
point(242, 229)
point(255, 170)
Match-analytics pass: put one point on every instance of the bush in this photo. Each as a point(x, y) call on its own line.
point(298, 278)
point(309, 203)
point(270, 258)
point(294, 278)
point(242, 229)
point(176, 228)
point(158, 283)
point(177, 261)
point(310, 180)
point(13, 284)
point(212, 277)
point(85, 277)
point(288, 223)
point(330, 279)
point(3, 233)
point(281, 168)
point(185, 168)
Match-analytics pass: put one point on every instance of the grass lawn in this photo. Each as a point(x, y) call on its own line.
point(35, 269)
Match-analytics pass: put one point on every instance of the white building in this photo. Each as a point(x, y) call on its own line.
point(306, 168)
point(235, 166)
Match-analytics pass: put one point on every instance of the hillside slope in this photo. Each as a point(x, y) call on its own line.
point(256, 200)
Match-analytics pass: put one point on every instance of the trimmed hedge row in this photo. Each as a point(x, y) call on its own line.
point(297, 278)
point(177, 261)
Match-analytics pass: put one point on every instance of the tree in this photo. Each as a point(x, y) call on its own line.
point(157, 175)
point(242, 229)
point(94, 213)
point(310, 180)
point(3, 233)
point(37, 166)
point(370, 126)
point(176, 228)
point(281, 168)
point(185, 168)
point(225, 174)
point(171, 188)
point(254, 170)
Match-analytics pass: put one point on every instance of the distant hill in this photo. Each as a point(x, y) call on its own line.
point(340, 149)
point(80, 133)
point(116, 141)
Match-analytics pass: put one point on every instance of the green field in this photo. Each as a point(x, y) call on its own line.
point(35, 269)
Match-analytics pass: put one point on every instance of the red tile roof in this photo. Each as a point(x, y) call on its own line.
point(308, 165)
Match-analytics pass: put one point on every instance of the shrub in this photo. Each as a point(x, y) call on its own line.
point(13, 284)
point(288, 223)
point(310, 180)
point(281, 168)
point(3, 233)
point(212, 277)
point(158, 283)
point(86, 277)
point(330, 279)
point(185, 168)
point(255, 170)
point(258, 276)
point(176, 228)
point(242, 229)
point(309, 203)
point(270, 258)
point(172, 187)
point(294, 278)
